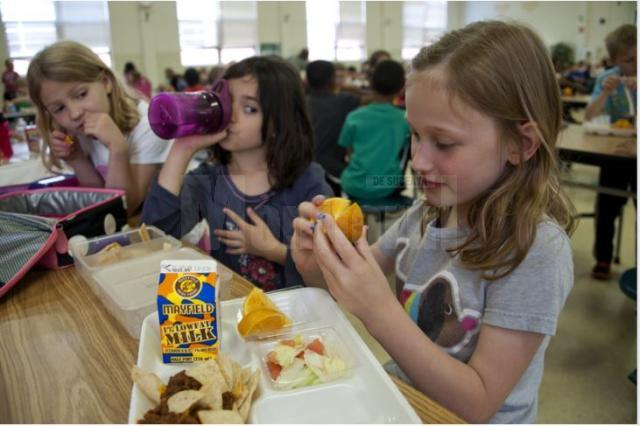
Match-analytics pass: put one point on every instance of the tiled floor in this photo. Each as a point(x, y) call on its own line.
point(587, 363)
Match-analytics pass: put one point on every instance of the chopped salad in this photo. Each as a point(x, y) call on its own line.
point(294, 363)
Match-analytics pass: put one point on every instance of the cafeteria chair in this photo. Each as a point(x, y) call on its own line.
point(394, 203)
point(379, 208)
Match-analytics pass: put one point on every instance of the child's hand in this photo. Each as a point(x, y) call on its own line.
point(302, 239)
point(631, 84)
point(610, 83)
point(197, 142)
point(352, 274)
point(61, 148)
point(255, 238)
point(100, 126)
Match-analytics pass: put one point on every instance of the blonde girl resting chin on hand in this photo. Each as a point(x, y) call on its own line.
point(485, 261)
point(87, 120)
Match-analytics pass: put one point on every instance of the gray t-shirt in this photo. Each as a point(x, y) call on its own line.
point(449, 302)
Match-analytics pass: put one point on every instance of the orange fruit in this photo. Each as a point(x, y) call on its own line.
point(622, 123)
point(256, 299)
point(567, 91)
point(262, 320)
point(347, 215)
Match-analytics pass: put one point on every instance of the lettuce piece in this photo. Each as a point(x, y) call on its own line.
point(325, 367)
point(334, 367)
point(284, 355)
point(296, 375)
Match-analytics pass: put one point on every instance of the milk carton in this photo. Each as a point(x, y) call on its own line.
point(188, 310)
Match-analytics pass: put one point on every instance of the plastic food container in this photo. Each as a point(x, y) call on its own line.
point(129, 245)
point(297, 306)
point(312, 357)
point(127, 283)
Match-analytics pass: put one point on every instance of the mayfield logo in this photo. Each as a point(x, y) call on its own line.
point(188, 286)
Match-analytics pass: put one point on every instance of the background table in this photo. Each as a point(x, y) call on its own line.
point(65, 359)
point(576, 145)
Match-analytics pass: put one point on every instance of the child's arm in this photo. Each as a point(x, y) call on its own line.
point(67, 149)
point(102, 127)
point(172, 172)
point(475, 390)
point(596, 106)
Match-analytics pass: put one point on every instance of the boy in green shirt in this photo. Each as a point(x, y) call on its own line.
point(375, 136)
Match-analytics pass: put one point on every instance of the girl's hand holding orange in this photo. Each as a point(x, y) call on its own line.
point(302, 239)
point(61, 148)
point(351, 272)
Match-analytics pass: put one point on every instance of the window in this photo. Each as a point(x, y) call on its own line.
point(213, 32)
point(423, 22)
point(43, 22)
point(336, 30)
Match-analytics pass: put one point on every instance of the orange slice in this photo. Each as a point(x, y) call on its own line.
point(262, 320)
point(347, 215)
point(622, 123)
point(255, 300)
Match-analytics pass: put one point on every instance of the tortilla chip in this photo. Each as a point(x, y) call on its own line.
point(219, 417)
point(209, 372)
point(226, 367)
point(144, 233)
point(182, 401)
point(109, 254)
point(245, 405)
point(212, 397)
point(149, 383)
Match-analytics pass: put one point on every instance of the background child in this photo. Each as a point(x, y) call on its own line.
point(485, 262)
point(262, 171)
point(9, 78)
point(77, 95)
point(328, 112)
point(614, 94)
point(375, 136)
point(137, 82)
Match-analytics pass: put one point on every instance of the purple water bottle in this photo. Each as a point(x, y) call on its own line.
point(173, 115)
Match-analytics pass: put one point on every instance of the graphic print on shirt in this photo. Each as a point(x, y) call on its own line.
point(436, 308)
point(256, 269)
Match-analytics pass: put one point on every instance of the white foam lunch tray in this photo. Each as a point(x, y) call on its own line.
point(367, 395)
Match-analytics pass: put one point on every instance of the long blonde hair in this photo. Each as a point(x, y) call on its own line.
point(68, 61)
point(504, 70)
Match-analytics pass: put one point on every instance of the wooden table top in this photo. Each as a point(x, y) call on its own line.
point(65, 359)
point(576, 99)
point(575, 139)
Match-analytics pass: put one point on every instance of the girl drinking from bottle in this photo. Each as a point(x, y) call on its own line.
point(260, 170)
point(87, 120)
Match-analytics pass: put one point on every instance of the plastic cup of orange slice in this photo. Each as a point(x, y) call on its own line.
point(260, 315)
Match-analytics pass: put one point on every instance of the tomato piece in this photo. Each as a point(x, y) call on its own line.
point(316, 346)
point(274, 369)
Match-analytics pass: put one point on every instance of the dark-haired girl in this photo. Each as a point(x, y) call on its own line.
point(260, 170)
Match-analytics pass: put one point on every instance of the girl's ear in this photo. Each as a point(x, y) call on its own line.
point(529, 143)
point(108, 85)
